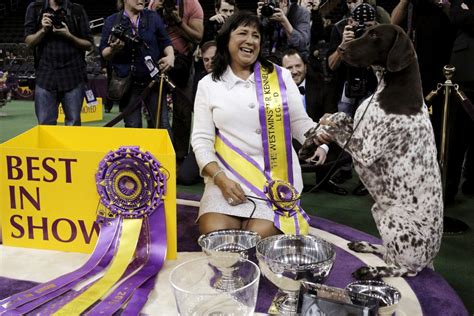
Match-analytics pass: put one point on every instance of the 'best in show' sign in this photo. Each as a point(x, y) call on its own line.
point(48, 194)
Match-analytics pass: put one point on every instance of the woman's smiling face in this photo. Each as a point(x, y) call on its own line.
point(244, 46)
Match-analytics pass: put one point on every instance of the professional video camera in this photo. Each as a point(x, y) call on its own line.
point(57, 17)
point(122, 32)
point(268, 8)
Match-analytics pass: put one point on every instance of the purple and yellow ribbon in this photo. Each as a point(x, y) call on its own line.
point(131, 248)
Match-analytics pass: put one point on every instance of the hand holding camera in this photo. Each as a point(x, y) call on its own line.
point(57, 17)
point(348, 34)
point(266, 8)
point(124, 34)
point(46, 22)
point(62, 31)
point(170, 12)
point(116, 44)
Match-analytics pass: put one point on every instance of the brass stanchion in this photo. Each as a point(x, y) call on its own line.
point(450, 225)
point(163, 78)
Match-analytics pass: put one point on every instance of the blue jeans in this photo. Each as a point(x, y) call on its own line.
point(47, 104)
point(134, 119)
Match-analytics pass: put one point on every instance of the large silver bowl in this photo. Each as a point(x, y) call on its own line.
point(286, 260)
point(225, 248)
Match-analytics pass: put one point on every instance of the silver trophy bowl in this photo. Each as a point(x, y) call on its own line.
point(225, 248)
point(387, 295)
point(287, 260)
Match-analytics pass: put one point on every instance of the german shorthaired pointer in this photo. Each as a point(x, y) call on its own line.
point(394, 153)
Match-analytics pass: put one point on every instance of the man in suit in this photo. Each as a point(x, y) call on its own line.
point(295, 63)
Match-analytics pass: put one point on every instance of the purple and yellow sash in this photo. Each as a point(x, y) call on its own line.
point(131, 248)
point(274, 182)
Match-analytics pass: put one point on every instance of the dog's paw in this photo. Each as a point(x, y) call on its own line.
point(360, 246)
point(365, 273)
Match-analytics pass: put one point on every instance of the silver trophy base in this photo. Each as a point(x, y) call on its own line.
point(284, 303)
point(228, 284)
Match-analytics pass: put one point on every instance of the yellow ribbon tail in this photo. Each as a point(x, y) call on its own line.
point(294, 225)
point(127, 244)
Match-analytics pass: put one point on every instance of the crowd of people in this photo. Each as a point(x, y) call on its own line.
point(216, 66)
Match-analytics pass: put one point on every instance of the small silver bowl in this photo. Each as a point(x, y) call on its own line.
point(225, 249)
point(228, 240)
point(387, 295)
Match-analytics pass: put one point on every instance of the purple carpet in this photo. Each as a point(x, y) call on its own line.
point(434, 293)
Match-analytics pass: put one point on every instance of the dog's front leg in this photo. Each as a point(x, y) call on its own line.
point(336, 127)
point(370, 273)
point(330, 126)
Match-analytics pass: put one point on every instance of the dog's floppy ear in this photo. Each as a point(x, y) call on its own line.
point(402, 52)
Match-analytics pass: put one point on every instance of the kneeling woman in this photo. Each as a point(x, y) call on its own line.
point(245, 115)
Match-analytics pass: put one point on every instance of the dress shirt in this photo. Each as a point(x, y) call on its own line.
point(231, 105)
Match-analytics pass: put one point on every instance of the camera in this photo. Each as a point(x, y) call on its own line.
point(169, 6)
point(57, 17)
point(268, 8)
point(356, 87)
point(121, 32)
point(167, 12)
point(358, 30)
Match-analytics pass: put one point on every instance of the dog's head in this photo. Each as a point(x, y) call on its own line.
point(383, 45)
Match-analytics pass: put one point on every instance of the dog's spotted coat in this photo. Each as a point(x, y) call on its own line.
point(396, 159)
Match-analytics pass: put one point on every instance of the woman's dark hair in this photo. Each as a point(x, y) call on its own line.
point(222, 58)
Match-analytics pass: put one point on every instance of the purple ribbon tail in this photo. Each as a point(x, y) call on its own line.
point(52, 302)
point(297, 224)
point(156, 226)
point(103, 245)
point(139, 298)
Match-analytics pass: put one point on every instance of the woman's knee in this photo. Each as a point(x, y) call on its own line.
point(262, 227)
point(214, 221)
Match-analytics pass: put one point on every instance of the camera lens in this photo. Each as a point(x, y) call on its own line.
point(267, 10)
point(359, 30)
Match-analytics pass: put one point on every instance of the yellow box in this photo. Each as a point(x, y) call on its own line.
point(48, 194)
point(88, 113)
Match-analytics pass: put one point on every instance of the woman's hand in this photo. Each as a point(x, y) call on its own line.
point(322, 136)
point(166, 63)
point(116, 44)
point(231, 190)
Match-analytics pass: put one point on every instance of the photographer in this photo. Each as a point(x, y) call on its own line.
point(58, 31)
point(184, 24)
point(127, 38)
point(223, 9)
point(286, 25)
point(353, 84)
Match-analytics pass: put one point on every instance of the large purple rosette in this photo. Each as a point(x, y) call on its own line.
point(130, 183)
